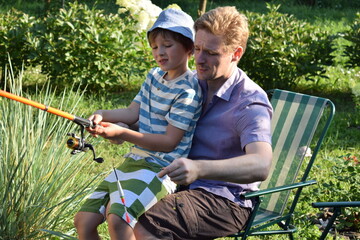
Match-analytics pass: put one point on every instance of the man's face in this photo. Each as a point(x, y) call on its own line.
point(212, 61)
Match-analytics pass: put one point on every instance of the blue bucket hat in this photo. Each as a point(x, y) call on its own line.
point(175, 20)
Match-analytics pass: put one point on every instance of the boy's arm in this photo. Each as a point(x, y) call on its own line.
point(128, 115)
point(154, 142)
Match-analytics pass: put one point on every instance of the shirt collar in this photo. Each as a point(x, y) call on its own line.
point(226, 89)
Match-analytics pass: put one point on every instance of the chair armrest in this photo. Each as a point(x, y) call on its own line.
point(336, 204)
point(278, 189)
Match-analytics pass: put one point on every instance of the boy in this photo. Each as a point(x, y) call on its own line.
point(167, 107)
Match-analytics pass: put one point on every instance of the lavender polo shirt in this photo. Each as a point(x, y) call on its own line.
point(239, 114)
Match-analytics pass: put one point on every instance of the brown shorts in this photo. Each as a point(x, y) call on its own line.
point(194, 214)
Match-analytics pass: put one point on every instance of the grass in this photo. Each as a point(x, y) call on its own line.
point(343, 137)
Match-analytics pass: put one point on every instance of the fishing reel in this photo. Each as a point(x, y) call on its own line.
point(78, 144)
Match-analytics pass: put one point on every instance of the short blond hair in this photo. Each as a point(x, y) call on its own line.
point(228, 23)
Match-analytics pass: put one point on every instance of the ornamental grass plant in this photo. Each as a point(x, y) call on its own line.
point(40, 180)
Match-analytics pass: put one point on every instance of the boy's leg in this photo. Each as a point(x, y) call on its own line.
point(92, 213)
point(141, 186)
point(86, 224)
point(119, 229)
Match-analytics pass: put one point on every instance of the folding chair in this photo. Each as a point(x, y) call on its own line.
point(337, 206)
point(295, 120)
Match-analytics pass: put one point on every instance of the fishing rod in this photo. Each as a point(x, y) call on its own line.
point(77, 144)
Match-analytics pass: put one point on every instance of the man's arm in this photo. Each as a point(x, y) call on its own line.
point(252, 167)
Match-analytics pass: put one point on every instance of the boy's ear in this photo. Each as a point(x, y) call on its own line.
point(238, 54)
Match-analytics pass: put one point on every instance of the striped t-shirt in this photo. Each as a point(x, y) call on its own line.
point(176, 102)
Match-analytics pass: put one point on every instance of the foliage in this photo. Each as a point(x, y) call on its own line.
point(15, 28)
point(356, 94)
point(89, 48)
point(78, 45)
point(353, 36)
point(41, 185)
point(343, 186)
point(282, 48)
point(337, 4)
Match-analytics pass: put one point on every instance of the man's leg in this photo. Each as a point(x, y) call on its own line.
point(190, 215)
point(86, 224)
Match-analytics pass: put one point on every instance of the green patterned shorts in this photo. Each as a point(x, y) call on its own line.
point(142, 189)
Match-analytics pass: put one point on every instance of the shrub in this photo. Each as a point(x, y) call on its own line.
point(352, 51)
point(86, 47)
point(282, 48)
point(15, 30)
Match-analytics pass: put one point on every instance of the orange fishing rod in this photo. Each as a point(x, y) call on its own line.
point(81, 121)
point(78, 144)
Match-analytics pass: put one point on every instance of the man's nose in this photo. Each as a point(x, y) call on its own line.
point(199, 57)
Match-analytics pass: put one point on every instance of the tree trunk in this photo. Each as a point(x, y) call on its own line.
point(46, 7)
point(202, 7)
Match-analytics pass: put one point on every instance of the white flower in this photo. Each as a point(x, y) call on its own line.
point(143, 20)
point(141, 10)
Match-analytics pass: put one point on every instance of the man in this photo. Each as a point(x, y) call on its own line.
point(231, 149)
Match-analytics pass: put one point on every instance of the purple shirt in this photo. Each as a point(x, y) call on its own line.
point(239, 114)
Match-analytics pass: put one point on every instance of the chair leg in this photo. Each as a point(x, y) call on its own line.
point(291, 236)
point(337, 212)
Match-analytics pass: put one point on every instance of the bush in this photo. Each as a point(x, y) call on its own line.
point(352, 51)
point(79, 46)
point(337, 4)
point(86, 47)
point(15, 30)
point(281, 49)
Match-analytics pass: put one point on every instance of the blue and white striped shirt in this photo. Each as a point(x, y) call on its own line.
point(176, 102)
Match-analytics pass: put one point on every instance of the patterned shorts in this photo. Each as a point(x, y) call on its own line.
point(141, 186)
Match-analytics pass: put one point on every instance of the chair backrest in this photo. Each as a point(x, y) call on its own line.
point(295, 120)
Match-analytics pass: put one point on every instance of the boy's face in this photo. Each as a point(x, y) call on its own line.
point(212, 61)
point(170, 55)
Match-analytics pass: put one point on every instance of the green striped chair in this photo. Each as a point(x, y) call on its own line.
point(296, 120)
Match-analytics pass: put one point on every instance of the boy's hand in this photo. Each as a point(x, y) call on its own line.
point(118, 140)
point(96, 119)
point(109, 131)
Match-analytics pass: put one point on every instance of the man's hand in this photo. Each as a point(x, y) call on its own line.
point(181, 171)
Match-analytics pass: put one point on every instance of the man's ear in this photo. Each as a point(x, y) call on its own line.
point(238, 54)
